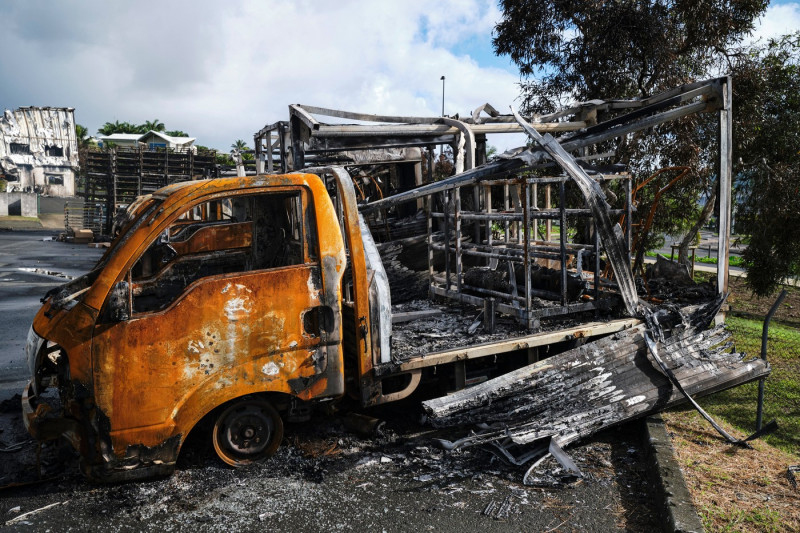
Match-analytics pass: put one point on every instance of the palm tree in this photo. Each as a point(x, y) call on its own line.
point(177, 133)
point(239, 145)
point(110, 128)
point(82, 135)
point(154, 125)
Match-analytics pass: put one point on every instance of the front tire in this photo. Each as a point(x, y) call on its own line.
point(247, 431)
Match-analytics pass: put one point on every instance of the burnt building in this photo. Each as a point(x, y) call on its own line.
point(39, 150)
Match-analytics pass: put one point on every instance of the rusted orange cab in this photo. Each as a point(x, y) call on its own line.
point(220, 296)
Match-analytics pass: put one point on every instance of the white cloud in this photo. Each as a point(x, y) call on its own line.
point(222, 71)
point(779, 19)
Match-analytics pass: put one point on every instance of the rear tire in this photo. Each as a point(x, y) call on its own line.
point(247, 431)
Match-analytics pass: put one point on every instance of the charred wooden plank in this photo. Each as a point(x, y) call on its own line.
point(579, 392)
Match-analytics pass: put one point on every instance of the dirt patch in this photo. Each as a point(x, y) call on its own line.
point(734, 489)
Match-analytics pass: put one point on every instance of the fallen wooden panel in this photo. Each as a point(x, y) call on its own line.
point(579, 392)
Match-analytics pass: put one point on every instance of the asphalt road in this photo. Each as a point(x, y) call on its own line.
point(31, 263)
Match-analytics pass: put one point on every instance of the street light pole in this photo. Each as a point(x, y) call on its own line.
point(441, 147)
point(442, 78)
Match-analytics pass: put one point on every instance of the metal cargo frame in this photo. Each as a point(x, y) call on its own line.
point(518, 244)
point(580, 132)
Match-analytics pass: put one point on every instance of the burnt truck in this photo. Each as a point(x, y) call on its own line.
point(238, 303)
point(240, 300)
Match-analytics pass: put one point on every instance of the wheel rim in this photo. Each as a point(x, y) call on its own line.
point(246, 432)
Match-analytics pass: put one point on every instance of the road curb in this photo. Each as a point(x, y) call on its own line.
point(673, 500)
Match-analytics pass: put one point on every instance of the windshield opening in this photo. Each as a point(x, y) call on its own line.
point(69, 294)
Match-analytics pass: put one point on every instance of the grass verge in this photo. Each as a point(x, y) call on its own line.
point(736, 489)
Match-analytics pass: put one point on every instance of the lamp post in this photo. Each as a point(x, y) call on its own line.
point(442, 78)
point(441, 148)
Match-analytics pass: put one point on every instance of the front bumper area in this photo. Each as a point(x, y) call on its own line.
point(44, 424)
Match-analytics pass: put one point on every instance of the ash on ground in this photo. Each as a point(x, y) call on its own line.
point(324, 478)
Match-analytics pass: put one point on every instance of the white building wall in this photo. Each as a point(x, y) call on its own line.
point(39, 150)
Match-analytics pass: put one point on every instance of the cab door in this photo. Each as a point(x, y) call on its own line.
point(226, 300)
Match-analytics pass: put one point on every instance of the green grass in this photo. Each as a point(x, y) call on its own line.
point(761, 519)
point(16, 217)
point(782, 388)
point(733, 260)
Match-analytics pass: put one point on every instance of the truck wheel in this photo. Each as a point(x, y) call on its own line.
point(248, 431)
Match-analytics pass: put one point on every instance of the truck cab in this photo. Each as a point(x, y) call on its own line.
point(219, 297)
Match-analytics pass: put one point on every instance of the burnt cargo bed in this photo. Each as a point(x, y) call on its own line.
point(425, 334)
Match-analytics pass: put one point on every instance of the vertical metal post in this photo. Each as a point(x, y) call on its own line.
point(562, 197)
point(548, 225)
point(487, 195)
point(298, 152)
point(457, 231)
point(526, 207)
point(628, 211)
point(725, 163)
point(284, 143)
point(764, 335)
point(535, 204)
point(141, 174)
point(489, 305)
point(446, 206)
point(505, 208)
point(441, 146)
point(597, 270)
point(111, 189)
point(522, 202)
point(430, 164)
point(257, 142)
point(270, 162)
point(442, 78)
point(476, 201)
point(428, 208)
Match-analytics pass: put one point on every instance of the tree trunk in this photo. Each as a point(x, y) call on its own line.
point(705, 214)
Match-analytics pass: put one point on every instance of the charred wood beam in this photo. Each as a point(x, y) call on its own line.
point(606, 382)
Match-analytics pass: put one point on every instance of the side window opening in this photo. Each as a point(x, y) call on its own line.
point(240, 233)
point(19, 149)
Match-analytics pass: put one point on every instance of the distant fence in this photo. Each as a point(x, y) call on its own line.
point(114, 177)
point(79, 214)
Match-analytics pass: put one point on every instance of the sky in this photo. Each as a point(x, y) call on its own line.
point(222, 70)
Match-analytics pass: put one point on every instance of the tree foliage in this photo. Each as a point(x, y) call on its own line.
point(767, 143)
point(623, 48)
point(239, 145)
point(82, 136)
point(152, 125)
point(569, 50)
point(110, 128)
